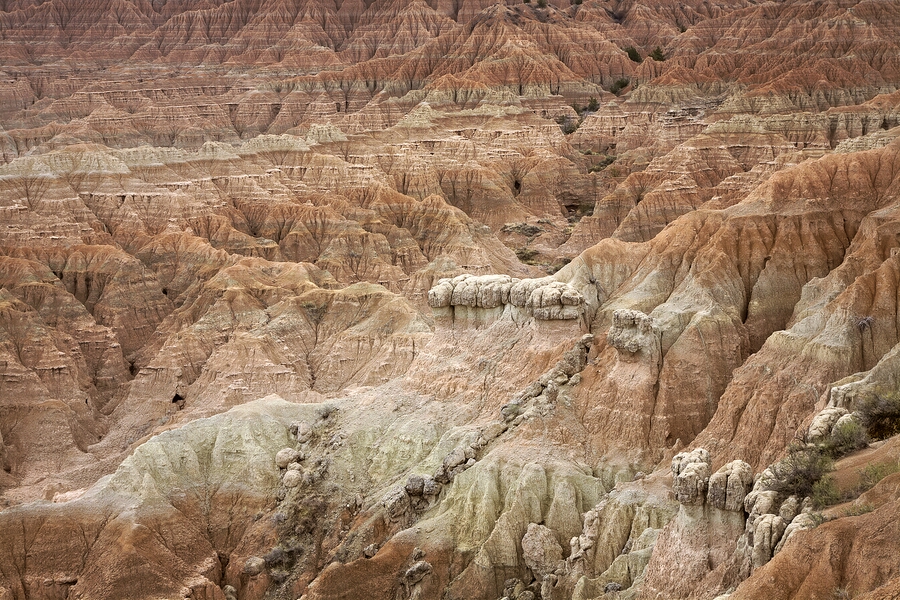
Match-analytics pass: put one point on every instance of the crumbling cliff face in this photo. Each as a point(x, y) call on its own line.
point(449, 299)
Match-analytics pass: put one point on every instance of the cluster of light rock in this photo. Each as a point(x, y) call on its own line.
point(290, 460)
point(771, 521)
point(771, 518)
point(540, 396)
point(693, 484)
point(544, 556)
point(413, 576)
point(421, 492)
point(545, 298)
point(829, 422)
point(628, 566)
point(632, 331)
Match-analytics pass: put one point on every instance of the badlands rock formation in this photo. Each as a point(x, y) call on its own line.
point(457, 299)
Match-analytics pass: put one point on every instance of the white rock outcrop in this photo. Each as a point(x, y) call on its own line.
point(544, 298)
point(729, 486)
point(801, 522)
point(636, 337)
point(540, 550)
point(824, 422)
point(691, 472)
point(768, 531)
point(287, 456)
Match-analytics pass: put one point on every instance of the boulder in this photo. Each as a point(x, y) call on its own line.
point(292, 479)
point(824, 422)
point(415, 485)
point(396, 502)
point(301, 431)
point(540, 550)
point(286, 456)
point(790, 508)
point(767, 533)
point(417, 572)
point(254, 565)
point(729, 486)
point(632, 331)
point(801, 522)
point(691, 472)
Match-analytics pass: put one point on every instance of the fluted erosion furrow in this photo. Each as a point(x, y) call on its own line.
point(456, 299)
point(721, 285)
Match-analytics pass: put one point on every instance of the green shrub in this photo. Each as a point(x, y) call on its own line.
point(797, 473)
point(657, 54)
point(840, 594)
point(845, 439)
point(825, 493)
point(568, 124)
point(633, 54)
point(619, 85)
point(872, 474)
point(542, 3)
point(860, 509)
point(607, 160)
point(880, 415)
point(526, 255)
point(817, 518)
point(522, 229)
point(593, 104)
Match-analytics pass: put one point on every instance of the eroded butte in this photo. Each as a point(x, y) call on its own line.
point(449, 299)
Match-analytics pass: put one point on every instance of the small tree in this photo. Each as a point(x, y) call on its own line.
point(593, 104)
point(619, 85)
point(797, 473)
point(845, 438)
point(880, 415)
point(633, 54)
point(657, 54)
point(568, 124)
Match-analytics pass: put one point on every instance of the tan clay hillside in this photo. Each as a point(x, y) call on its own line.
point(449, 299)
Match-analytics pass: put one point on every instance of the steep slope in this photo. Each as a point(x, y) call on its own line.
point(447, 298)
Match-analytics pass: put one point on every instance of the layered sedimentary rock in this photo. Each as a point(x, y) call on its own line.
point(464, 299)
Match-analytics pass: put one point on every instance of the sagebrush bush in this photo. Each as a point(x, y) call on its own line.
point(825, 493)
point(845, 439)
point(859, 509)
point(619, 85)
point(880, 415)
point(797, 473)
point(568, 124)
point(872, 474)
